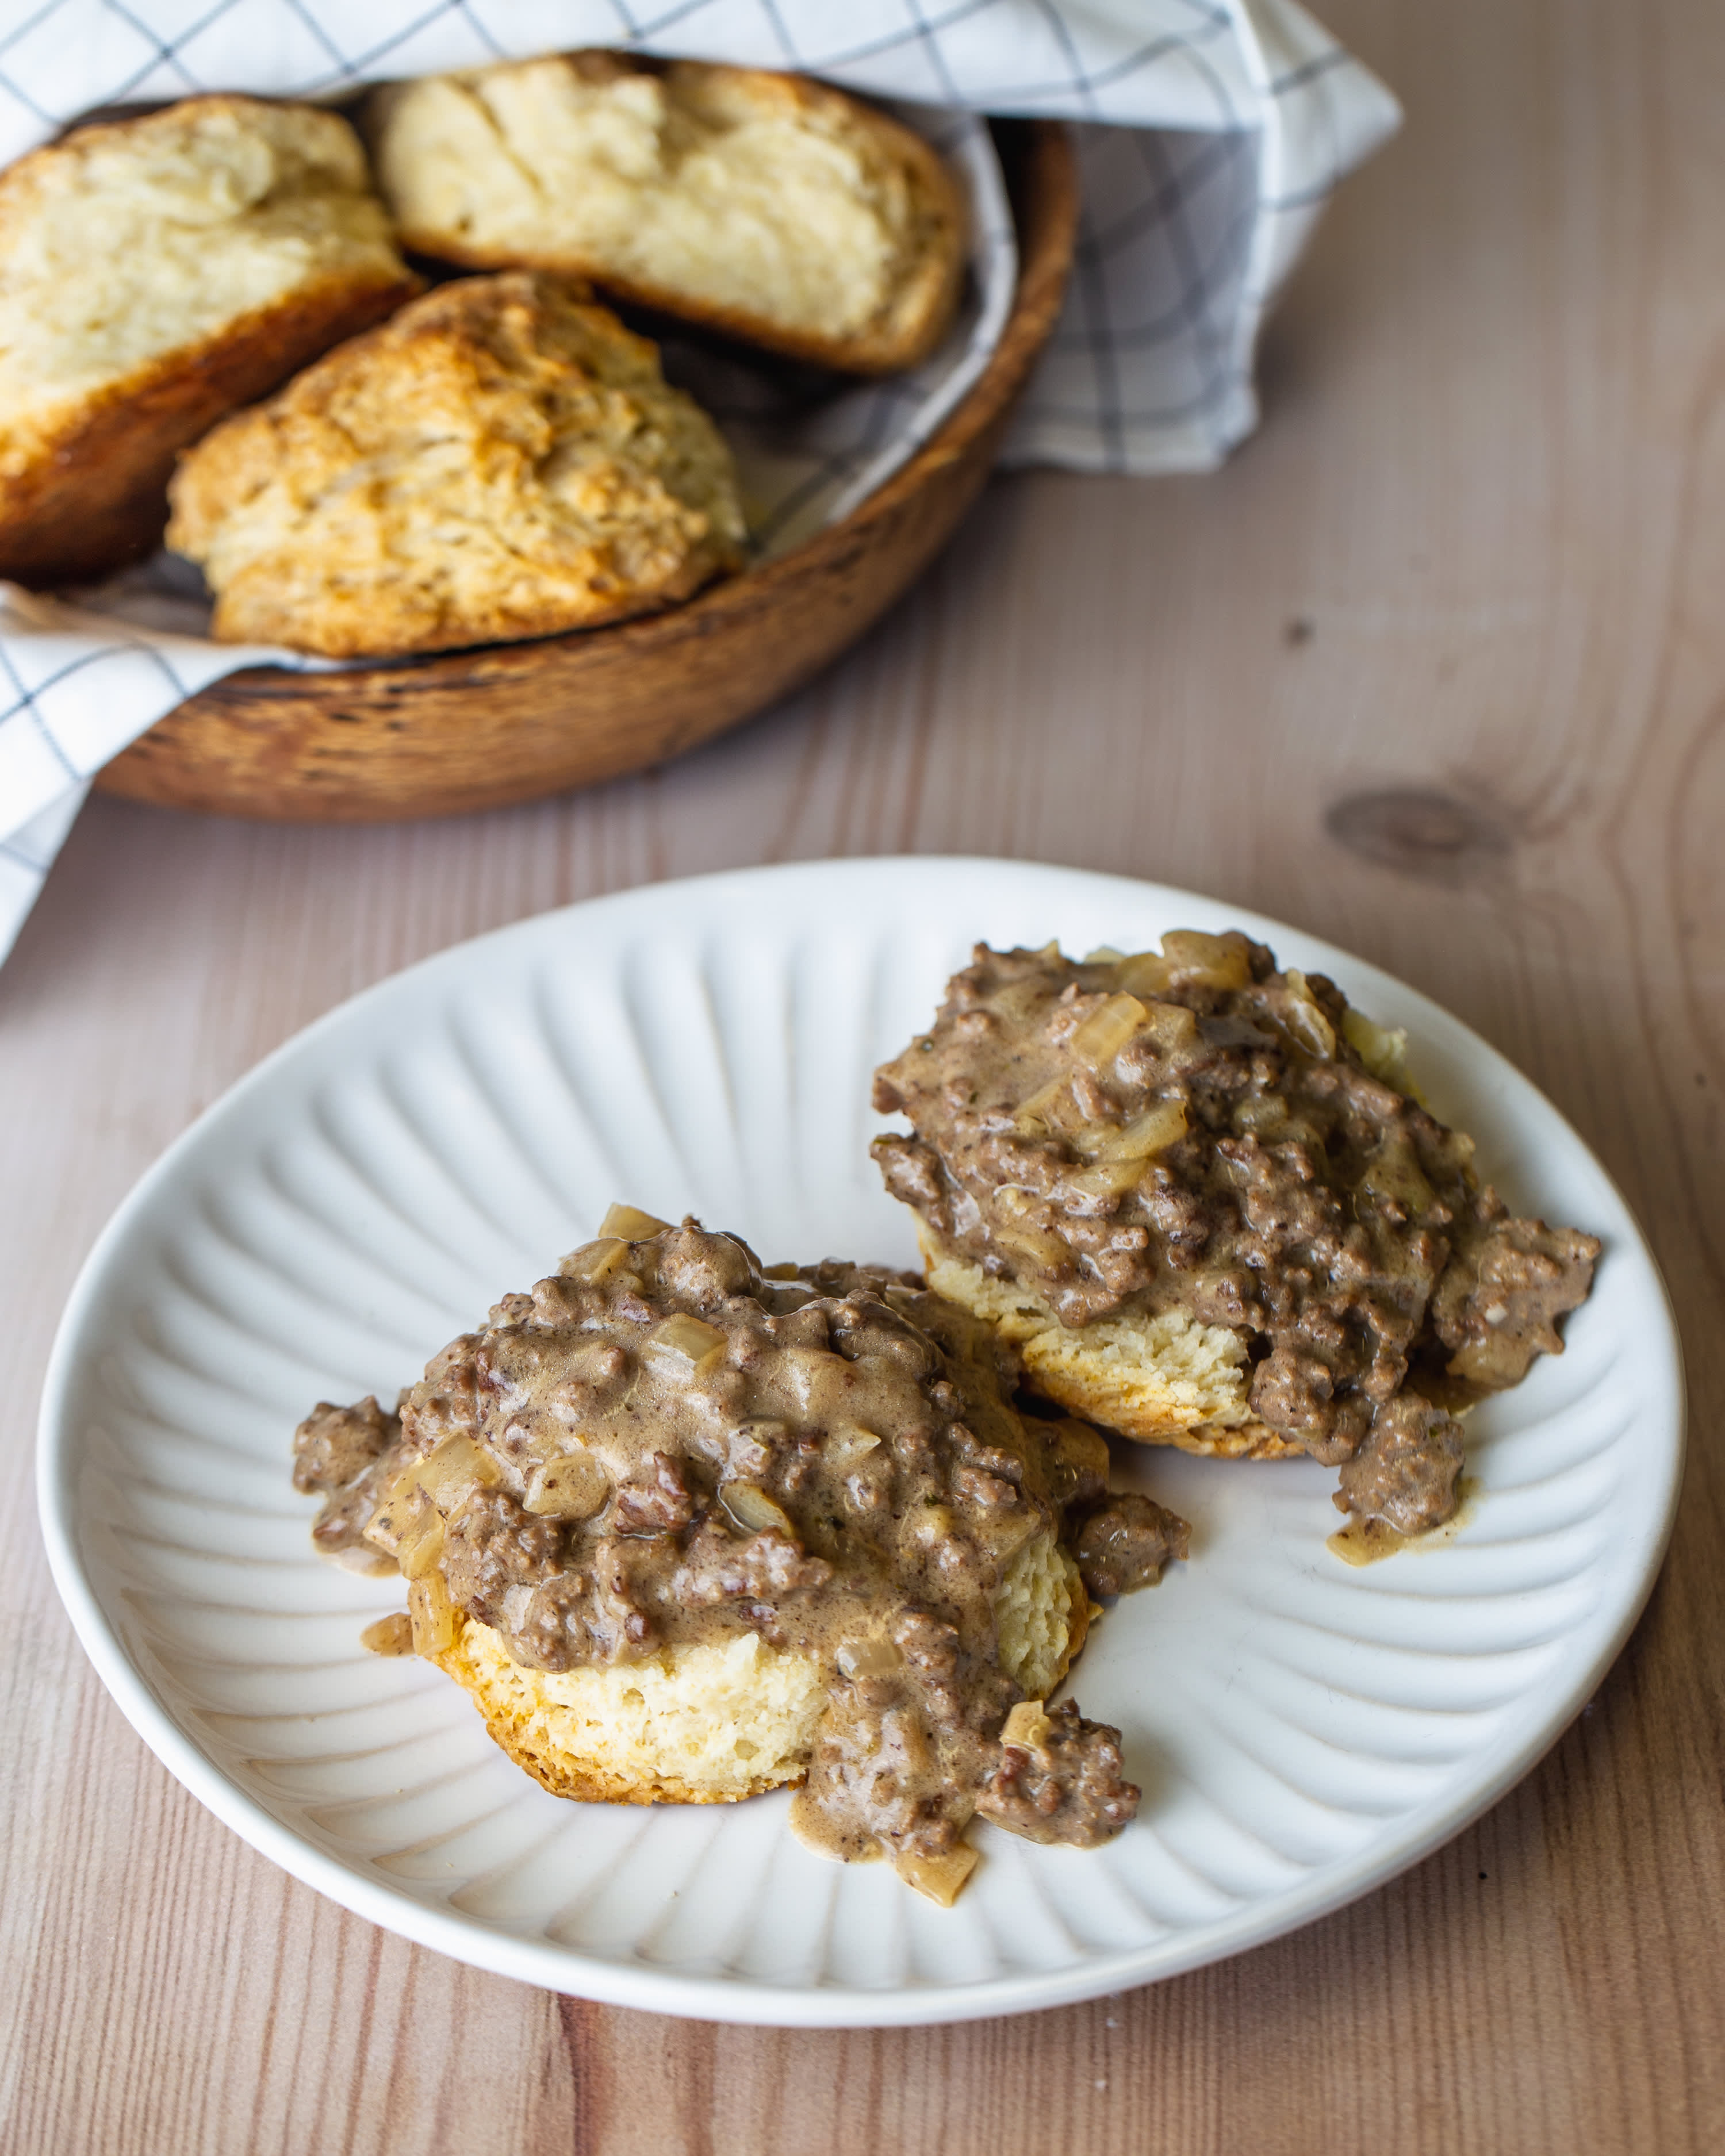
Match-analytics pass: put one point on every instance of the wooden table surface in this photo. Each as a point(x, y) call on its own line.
point(1436, 668)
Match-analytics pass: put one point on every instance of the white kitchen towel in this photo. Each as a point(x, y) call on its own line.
point(1210, 133)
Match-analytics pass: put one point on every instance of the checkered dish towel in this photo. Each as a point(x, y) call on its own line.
point(1209, 134)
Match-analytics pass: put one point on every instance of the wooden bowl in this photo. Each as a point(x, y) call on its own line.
point(510, 723)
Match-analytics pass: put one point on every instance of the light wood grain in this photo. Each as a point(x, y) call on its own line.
point(1476, 555)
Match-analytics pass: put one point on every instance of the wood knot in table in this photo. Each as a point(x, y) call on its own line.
point(1422, 832)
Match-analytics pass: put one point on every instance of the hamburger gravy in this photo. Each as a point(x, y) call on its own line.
point(1196, 1131)
point(662, 1443)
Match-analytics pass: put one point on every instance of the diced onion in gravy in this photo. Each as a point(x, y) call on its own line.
point(931, 1523)
point(1209, 962)
point(596, 1261)
point(685, 1340)
point(422, 1544)
point(1149, 1134)
point(1145, 974)
point(393, 1634)
point(1306, 1023)
point(849, 1441)
point(404, 1501)
point(1027, 1725)
point(1171, 1026)
point(939, 1877)
point(1048, 1251)
point(869, 1658)
point(753, 1510)
point(1394, 1172)
point(1383, 1049)
point(432, 1615)
point(449, 1474)
point(1107, 1178)
point(1107, 1030)
point(631, 1223)
point(573, 1487)
point(1048, 1108)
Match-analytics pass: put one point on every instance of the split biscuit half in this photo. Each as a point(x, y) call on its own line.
point(155, 274)
point(766, 206)
point(711, 1722)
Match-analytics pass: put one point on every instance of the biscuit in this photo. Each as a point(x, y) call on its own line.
point(1164, 1380)
point(685, 1528)
point(694, 1724)
point(500, 459)
point(702, 1723)
point(155, 274)
point(1200, 1197)
point(766, 206)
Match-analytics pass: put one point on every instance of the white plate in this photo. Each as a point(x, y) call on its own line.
point(1303, 1731)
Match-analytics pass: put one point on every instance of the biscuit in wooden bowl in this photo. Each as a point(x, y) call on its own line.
point(1202, 1199)
point(767, 206)
point(686, 1529)
point(501, 460)
point(156, 274)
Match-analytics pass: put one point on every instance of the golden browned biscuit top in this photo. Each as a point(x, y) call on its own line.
point(502, 459)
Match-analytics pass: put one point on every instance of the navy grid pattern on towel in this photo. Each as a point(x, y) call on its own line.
point(1210, 133)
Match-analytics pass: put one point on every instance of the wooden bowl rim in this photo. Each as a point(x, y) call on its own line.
point(1046, 217)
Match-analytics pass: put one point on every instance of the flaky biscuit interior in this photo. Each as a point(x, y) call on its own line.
point(713, 1722)
point(772, 207)
point(155, 274)
point(1163, 1380)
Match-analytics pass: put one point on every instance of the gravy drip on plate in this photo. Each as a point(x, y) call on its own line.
point(1196, 1131)
point(660, 1444)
